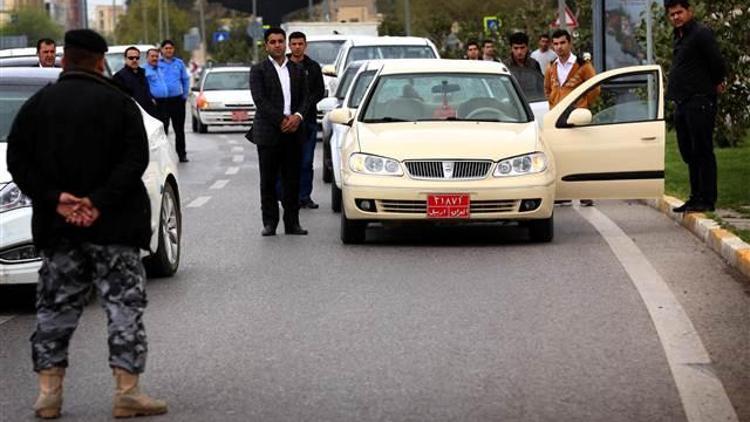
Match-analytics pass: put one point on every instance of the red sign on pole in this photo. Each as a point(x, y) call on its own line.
point(570, 20)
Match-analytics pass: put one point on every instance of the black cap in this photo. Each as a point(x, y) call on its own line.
point(86, 39)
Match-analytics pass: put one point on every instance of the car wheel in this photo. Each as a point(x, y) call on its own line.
point(335, 198)
point(166, 259)
point(327, 161)
point(352, 231)
point(542, 230)
point(195, 124)
point(202, 128)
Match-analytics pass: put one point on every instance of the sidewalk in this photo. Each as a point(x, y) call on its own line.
point(730, 247)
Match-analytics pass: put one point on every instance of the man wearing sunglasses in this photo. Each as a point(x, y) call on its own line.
point(132, 79)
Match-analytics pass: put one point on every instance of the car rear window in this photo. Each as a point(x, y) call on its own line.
point(12, 98)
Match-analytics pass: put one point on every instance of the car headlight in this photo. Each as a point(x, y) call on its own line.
point(372, 164)
point(12, 198)
point(522, 165)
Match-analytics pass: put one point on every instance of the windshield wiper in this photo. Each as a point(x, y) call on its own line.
point(386, 119)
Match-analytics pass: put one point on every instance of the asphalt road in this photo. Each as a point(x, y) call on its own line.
point(623, 317)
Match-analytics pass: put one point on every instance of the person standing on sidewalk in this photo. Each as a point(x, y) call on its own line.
point(315, 93)
point(91, 216)
point(544, 55)
point(695, 79)
point(132, 77)
point(172, 107)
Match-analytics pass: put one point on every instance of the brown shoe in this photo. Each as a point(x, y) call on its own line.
point(50, 399)
point(129, 401)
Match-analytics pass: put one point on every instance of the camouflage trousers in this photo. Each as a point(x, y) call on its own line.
point(68, 273)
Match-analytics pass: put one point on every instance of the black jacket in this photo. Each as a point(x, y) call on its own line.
point(136, 85)
point(269, 100)
point(82, 135)
point(697, 64)
point(315, 87)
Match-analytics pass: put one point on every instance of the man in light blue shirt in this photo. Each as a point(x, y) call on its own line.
point(154, 76)
point(172, 106)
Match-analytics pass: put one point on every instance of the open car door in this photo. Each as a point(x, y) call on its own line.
point(613, 148)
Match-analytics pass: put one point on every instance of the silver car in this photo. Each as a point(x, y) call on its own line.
point(222, 98)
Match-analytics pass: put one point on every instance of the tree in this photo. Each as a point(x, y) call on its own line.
point(34, 23)
point(238, 48)
point(731, 25)
point(133, 29)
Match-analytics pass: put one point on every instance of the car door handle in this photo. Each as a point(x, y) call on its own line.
point(648, 138)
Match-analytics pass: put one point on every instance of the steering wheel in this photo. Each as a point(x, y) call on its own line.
point(487, 110)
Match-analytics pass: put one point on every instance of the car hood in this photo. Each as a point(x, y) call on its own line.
point(4, 174)
point(229, 97)
point(449, 140)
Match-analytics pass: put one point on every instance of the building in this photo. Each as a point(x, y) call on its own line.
point(353, 10)
point(105, 18)
point(7, 7)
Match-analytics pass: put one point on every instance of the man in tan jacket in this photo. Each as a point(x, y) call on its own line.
point(565, 74)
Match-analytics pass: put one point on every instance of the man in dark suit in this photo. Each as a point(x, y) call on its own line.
point(279, 90)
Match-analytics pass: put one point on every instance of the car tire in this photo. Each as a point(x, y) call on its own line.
point(335, 198)
point(195, 124)
point(352, 231)
point(542, 231)
point(202, 128)
point(165, 261)
point(327, 161)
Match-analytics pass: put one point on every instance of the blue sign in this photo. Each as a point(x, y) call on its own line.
point(220, 36)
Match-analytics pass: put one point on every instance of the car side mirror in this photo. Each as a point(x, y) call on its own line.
point(327, 104)
point(579, 117)
point(329, 70)
point(342, 116)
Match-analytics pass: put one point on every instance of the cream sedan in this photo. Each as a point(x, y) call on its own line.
point(456, 140)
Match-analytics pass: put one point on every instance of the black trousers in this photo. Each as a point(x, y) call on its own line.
point(173, 108)
point(282, 159)
point(694, 124)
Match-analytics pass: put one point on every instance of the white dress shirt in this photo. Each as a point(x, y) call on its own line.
point(286, 85)
point(563, 69)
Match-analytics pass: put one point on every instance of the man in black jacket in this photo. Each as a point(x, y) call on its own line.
point(315, 92)
point(132, 77)
point(82, 170)
point(279, 91)
point(695, 79)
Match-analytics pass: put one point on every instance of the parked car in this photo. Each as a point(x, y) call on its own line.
point(26, 57)
point(222, 98)
point(454, 140)
point(375, 48)
point(19, 260)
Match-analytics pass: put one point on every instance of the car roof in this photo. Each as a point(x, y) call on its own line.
point(26, 51)
point(29, 75)
point(228, 69)
point(441, 65)
point(121, 48)
point(388, 40)
point(335, 37)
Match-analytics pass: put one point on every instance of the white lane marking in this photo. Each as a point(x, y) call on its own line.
point(238, 158)
point(6, 318)
point(219, 184)
point(701, 391)
point(232, 170)
point(233, 142)
point(238, 149)
point(199, 201)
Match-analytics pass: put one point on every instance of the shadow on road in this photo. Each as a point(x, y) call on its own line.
point(447, 234)
point(17, 299)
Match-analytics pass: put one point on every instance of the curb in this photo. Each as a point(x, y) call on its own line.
point(730, 247)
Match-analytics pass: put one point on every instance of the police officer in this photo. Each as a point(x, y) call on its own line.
point(172, 106)
point(82, 169)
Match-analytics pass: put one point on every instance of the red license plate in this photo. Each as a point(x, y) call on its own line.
point(454, 205)
point(239, 115)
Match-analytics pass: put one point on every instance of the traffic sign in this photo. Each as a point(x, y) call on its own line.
point(255, 30)
point(570, 19)
point(220, 36)
point(491, 24)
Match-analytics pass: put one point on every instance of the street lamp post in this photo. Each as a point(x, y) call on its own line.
point(561, 14)
point(255, 42)
point(407, 17)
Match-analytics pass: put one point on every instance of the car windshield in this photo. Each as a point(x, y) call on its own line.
point(12, 98)
point(373, 52)
point(218, 81)
point(116, 61)
point(360, 86)
point(323, 52)
point(445, 96)
point(531, 83)
point(346, 81)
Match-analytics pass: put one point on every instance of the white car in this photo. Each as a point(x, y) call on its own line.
point(222, 98)
point(454, 140)
point(375, 48)
point(19, 260)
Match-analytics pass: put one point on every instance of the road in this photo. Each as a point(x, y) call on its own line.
point(625, 316)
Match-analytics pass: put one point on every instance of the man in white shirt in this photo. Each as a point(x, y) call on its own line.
point(544, 55)
point(278, 87)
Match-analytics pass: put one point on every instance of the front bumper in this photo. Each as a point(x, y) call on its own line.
point(401, 198)
point(16, 228)
point(226, 117)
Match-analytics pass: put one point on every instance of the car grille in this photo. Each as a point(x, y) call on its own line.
point(454, 170)
point(420, 207)
point(240, 106)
